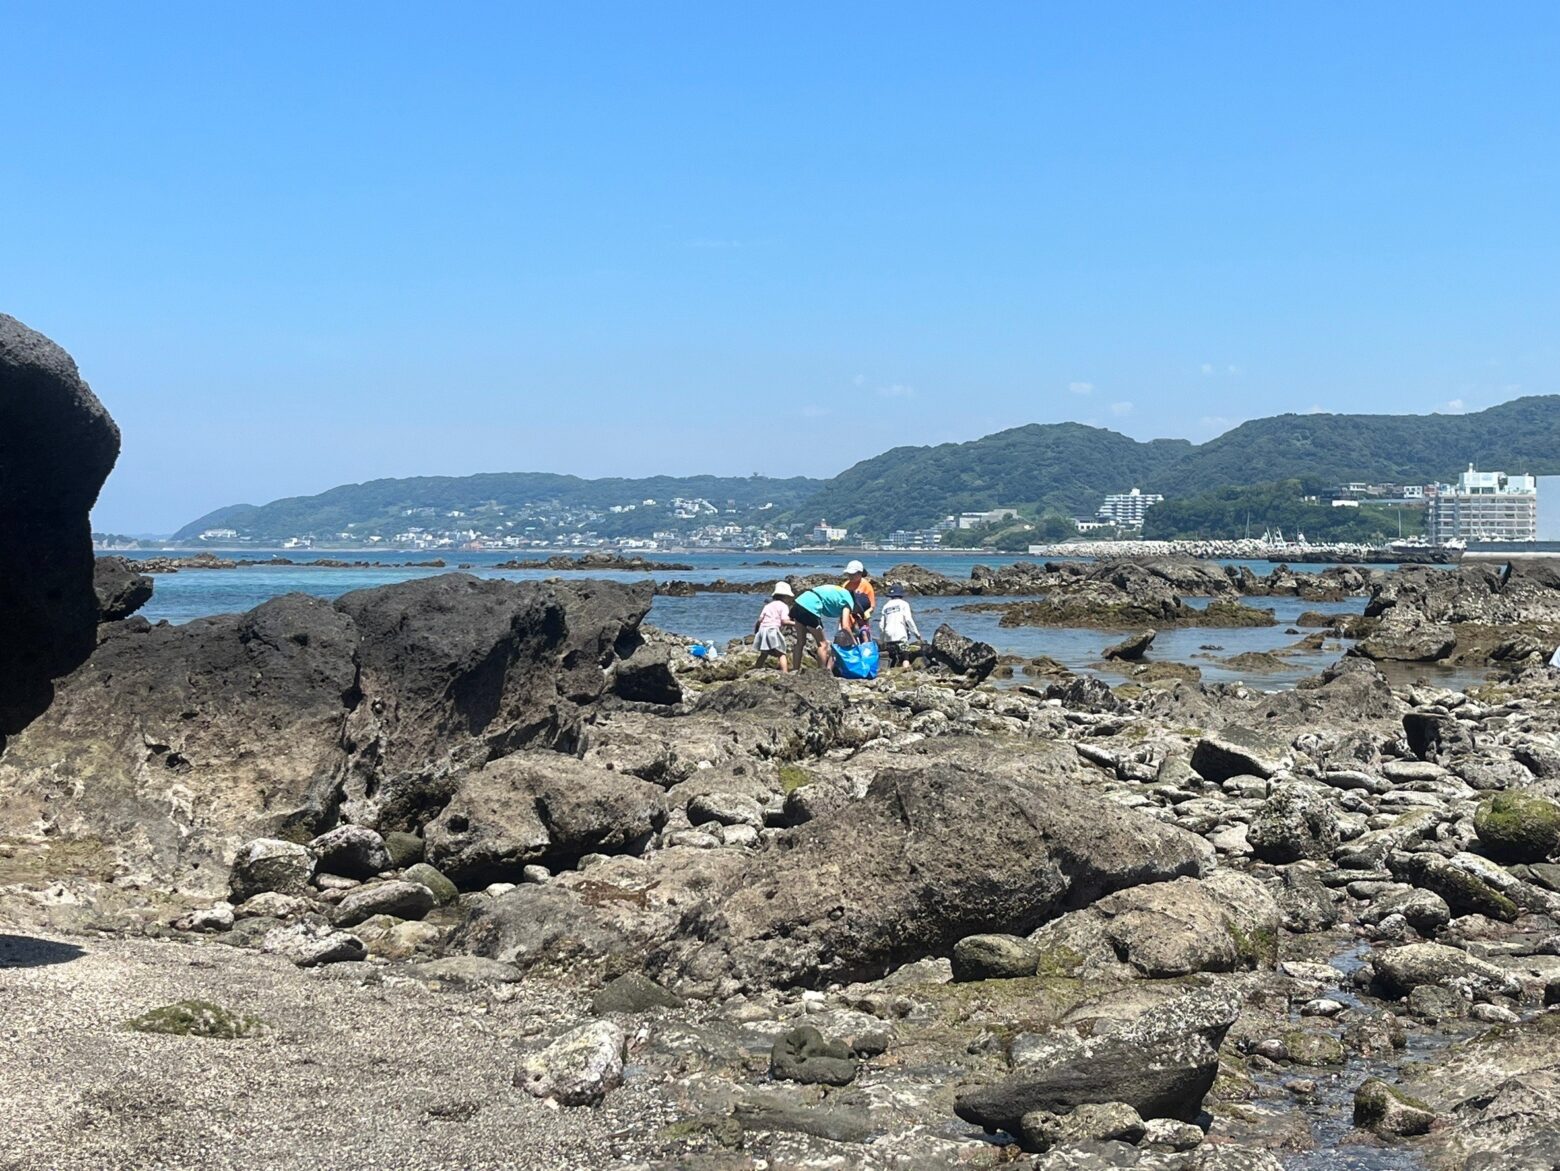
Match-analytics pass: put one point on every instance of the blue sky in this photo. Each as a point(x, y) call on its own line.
point(296, 245)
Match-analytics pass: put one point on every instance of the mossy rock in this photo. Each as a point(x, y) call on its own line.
point(1518, 827)
point(794, 777)
point(1257, 949)
point(1313, 1048)
point(197, 1018)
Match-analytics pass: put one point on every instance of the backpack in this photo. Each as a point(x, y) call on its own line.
point(856, 662)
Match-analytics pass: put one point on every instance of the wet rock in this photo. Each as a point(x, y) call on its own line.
point(1518, 827)
point(1238, 751)
point(1388, 1112)
point(1103, 1122)
point(1435, 735)
point(578, 1069)
point(1161, 1065)
point(1217, 924)
point(57, 445)
point(269, 864)
point(403, 900)
point(352, 851)
point(1132, 648)
point(970, 658)
point(633, 992)
point(272, 904)
point(1297, 822)
point(803, 1055)
point(993, 957)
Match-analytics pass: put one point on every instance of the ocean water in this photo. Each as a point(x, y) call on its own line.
point(717, 618)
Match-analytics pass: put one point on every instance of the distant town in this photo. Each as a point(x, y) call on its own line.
point(1480, 506)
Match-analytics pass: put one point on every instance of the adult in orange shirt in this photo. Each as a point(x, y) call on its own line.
point(857, 582)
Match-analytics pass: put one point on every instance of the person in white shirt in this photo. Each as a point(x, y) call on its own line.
point(901, 636)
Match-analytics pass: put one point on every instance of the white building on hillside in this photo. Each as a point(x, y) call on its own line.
point(1125, 509)
point(1483, 506)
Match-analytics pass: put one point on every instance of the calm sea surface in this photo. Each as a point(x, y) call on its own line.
point(195, 593)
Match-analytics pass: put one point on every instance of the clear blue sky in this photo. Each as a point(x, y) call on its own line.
point(293, 245)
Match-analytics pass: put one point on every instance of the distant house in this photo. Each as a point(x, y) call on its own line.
point(824, 532)
point(1125, 510)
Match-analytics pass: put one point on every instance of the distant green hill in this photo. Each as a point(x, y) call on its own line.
point(1325, 450)
point(1061, 467)
point(1064, 466)
point(517, 498)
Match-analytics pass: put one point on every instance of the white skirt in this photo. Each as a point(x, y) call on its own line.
point(770, 638)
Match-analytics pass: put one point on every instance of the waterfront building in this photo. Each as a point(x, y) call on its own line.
point(825, 533)
point(1125, 510)
point(1483, 506)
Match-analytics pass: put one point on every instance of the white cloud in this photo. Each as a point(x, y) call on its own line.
point(1207, 367)
point(1315, 409)
point(1080, 387)
point(898, 390)
point(1121, 410)
point(1455, 407)
point(1215, 424)
point(1234, 371)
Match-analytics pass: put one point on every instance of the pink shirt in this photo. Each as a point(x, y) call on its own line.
point(773, 616)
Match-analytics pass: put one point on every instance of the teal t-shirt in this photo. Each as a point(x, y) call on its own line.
point(825, 601)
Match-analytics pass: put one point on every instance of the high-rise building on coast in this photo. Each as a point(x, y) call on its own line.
point(1483, 506)
point(1125, 509)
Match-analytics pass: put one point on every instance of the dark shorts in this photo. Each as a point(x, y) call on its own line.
point(806, 618)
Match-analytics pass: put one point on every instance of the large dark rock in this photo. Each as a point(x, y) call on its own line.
point(964, 655)
point(57, 445)
point(121, 591)
point(1161, 1065)
point(926, 858)
point(174, 743)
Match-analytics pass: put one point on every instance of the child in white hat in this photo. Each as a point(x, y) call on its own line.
point(769, 630)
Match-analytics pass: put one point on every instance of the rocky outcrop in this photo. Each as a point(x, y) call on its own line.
point(174, 743)
point(121, 591)
point(964, 656)
point(57, 446)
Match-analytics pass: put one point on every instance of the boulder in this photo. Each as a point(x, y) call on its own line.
point(57, 445)
point(633, 992)
point(352, 851)
point(993, 957)
point(963, 655)
point(120, 590)
point(802, 1055)
point(398, 898)
point(1217, 924)
point(1436, 735)
point(1398, 971)
point(1518, 827)
point(309, 945)
point(1464, 891)
point(538, 808)
point(578, 1069)
point(1296, 822)
point(267, 864)
point(443, 890)
point(1132, 648)
point(1162, 1065)
point(929, 856)
point(1238, 751)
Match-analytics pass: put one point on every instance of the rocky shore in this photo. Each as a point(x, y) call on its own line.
point(486, 874)
point(781, 921)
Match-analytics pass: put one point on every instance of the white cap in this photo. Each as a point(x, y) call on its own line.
point(855, 567)
point(783, 589)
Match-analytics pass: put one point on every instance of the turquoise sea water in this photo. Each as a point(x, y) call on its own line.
point(717, 618)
